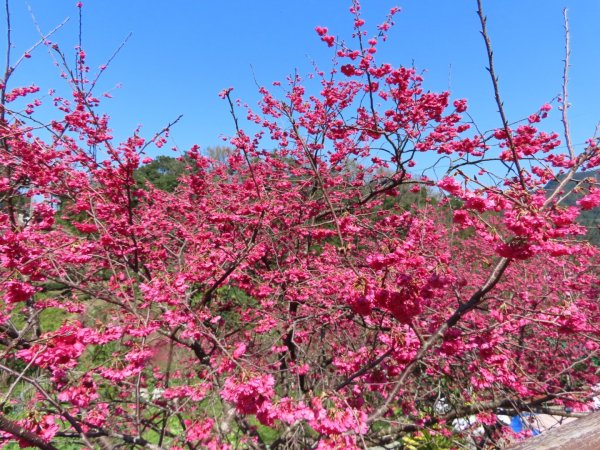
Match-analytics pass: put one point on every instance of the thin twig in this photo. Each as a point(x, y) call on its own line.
point(108, 62)
point(565, 92)
point(8, 69)
point(43, 39)
point(499, 103)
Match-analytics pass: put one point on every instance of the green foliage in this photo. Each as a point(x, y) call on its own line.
point(163, 173)
point(267, 434)
point(407, 199)
point(52, 318)
point(425, 440)
point(576, 189)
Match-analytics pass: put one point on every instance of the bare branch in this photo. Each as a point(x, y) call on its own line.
point(565, 92)
point(499, 103)
point(18, 431)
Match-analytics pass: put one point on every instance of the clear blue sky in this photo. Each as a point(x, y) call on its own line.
point(182, 53)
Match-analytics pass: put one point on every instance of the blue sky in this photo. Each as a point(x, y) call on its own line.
point(182, 53)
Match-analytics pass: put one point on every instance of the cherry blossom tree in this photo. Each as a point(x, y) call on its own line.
point(288, 295)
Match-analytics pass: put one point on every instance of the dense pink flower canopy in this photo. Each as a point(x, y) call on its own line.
point(306, 290)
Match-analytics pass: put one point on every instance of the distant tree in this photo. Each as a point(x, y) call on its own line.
point(219, 153)
point(163, 173)
point(574, 190)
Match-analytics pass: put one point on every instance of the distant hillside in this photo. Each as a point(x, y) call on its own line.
point(590, 219)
